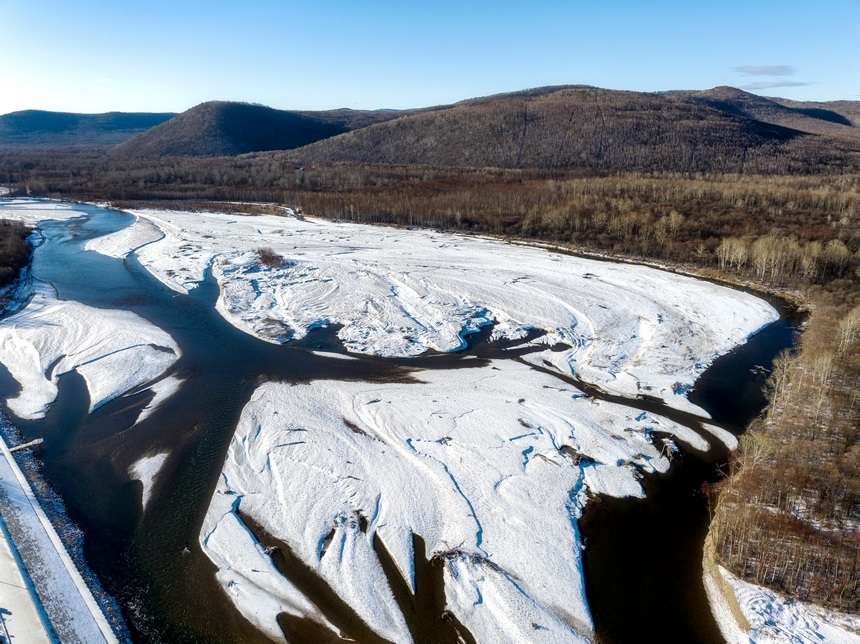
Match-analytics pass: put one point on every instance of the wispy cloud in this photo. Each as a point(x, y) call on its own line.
point(105, 80)
point(772, 84)
point(767, 70)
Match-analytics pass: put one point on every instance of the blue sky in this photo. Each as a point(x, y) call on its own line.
point(97, 56)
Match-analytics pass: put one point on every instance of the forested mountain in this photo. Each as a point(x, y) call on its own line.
point(839, 118)
point(597, 129)
point(220, 128)
point(551, 128)
point(39, 129)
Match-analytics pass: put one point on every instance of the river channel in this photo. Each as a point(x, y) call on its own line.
point(152, 564)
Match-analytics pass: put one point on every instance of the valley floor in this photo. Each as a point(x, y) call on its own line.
point(486, 465)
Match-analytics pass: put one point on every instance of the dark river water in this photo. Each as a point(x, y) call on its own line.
point(151, 562)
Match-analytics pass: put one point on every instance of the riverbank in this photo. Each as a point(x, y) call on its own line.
point(788, 516)
point(60, 605)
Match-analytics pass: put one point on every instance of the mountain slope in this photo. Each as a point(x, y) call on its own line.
point(221, 128)
point(40, 129)
point(584, 127)
point(841, 112)
point(815, 118)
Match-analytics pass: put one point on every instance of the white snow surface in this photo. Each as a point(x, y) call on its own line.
point(399, 292)
point(162, 390)
point(114, 351)
point(123, 242)
point(775, 619)
point(32, 211)
point(146, 470)
point(469, 459)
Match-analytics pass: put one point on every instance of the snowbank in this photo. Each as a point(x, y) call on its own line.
point(775, 619)
point(32, 211)
point(125, 241)
point(397, 292)
point(487, 465)
point(114, 351)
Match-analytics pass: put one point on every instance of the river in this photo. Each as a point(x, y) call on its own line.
point(152, 564)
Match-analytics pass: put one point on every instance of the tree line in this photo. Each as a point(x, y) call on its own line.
point(789, 516)
point(14, 250)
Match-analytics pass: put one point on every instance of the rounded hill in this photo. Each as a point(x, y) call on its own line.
point(220, 128)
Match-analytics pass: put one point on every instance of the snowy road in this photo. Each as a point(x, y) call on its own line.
point(63, 596)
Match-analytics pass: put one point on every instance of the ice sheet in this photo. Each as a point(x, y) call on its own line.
point(398, 292)
point(114, 351)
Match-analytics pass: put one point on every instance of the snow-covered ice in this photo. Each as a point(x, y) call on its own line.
point(162, 390)
point(775, 619)
point(632, 329)
point(32, 211)
point(123, 242)
point(146, 471)
point(114, 351)
point(490, 465)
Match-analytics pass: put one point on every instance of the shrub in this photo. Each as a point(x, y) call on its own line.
point(268, 257)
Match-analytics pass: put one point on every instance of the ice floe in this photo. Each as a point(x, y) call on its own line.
point(631, 329)
point(114, 351)
point(146, 471)
point(162, 390)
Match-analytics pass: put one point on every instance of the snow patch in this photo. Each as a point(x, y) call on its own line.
point(775, 619)
point(630, 329)
point(146, 471)
point(114, 351)
point(246, 571)
point(489, 465)
point(32, 211)
point(127, 240)
point(163, 389)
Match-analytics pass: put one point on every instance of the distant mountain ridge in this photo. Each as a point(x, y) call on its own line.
point(839, 118)
point(564, 127)
point(220, 128)
point(42, 129)
point(578, 127)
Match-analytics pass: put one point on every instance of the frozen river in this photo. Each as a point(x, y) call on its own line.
point(460, 396)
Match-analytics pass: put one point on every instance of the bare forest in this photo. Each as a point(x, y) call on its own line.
point(14, 250)
point(789, 516)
